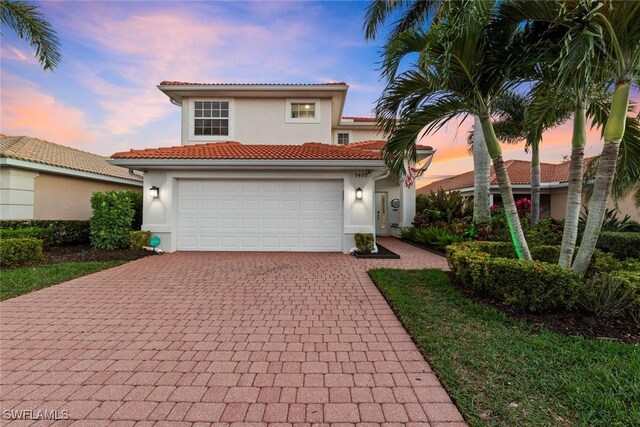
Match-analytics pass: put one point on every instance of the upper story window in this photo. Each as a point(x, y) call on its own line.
point(302, 111)
point(343, 138)
point(211, 118)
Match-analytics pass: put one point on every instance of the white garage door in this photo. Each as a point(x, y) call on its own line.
point(252, 215)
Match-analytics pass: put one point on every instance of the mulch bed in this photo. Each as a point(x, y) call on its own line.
point(383, 253)
point(85, 253)
point(424, 248)
point(567, 323)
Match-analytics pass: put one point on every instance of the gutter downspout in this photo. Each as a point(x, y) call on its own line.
point(383, 176)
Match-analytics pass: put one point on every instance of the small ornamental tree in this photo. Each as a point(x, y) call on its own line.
point(111, 221)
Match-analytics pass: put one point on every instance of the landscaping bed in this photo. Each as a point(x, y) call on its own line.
point(502, 371)
point(85, 253)
point(383, 253)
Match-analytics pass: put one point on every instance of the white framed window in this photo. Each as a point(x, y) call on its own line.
point(343, 138)
point(302, 111)
point(211, 119)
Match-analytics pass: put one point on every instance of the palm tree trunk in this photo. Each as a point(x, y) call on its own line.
point(613, 133)
point(574, 193)
point(511, 213)
point(481, 174)
point(535, 182)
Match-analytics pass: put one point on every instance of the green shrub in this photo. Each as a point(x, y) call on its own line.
point(139, 239)
point(545, 253)
point(136, 203)
point(435, 237)
point(408, 233)
point(20, 251)
point(364, 242)
point(602, 262)
point(526, 285)
point(622, 245)
point(44, 234)
point(613, 294)
point(496, 249)
point(63, 232)
point(111, 220)
point(547, 231)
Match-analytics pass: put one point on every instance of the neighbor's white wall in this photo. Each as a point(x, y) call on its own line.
point(17, 192)
point(160, 215)
point(263, 121)
point(365, 135)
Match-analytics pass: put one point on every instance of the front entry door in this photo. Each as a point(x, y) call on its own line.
point(382, 227)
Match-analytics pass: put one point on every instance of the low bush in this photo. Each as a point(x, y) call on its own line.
point(434, 237)
point(525, 285)
point(408, 233)
point(625, 244)
point(547, 231)
point(613, 294)
point(545, 253)
point(63, 232)
point(44, 234)
point(135, 197)
point(139, 239)
point(111, 220)
point(20, 251)
point(364, 242)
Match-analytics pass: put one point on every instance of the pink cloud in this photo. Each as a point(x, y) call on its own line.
point(27, 110)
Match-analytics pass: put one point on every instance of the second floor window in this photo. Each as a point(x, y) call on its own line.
point(343, 138)
point(303, 110)
point(211, 118)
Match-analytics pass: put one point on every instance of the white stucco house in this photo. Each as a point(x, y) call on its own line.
point(268, 167)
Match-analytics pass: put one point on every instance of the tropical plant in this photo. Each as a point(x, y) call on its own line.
point(461, 70)
point(30, 25)
point(446, 206)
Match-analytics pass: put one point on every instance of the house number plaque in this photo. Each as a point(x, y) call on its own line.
point(362, 174)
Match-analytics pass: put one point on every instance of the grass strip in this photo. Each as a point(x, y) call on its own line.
point(23, 280)
point(505, 372)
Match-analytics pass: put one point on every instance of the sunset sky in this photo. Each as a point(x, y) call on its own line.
point(103, 97)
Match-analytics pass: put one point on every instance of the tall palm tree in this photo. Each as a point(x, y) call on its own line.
point(27, 21)
point(414, 14)
point(461, 70)
point(609, 30)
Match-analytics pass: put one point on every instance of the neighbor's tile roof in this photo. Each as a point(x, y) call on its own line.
point(177, 83)
point(378, 144)
point(47, 153)
point(519, 173)
point(236, 150)
point(361, 119)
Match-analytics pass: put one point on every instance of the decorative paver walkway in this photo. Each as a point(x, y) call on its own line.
point(229, 339)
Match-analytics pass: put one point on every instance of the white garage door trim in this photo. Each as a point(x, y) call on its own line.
point(260, 215)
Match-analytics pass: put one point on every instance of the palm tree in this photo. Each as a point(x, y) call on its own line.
point(461, 70)
point(481, 174)
point(609, 31)
point(27, 21)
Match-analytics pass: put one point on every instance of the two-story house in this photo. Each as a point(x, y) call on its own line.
point(300, 178)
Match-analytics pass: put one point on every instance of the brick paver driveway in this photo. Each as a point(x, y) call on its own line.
point(233, 339)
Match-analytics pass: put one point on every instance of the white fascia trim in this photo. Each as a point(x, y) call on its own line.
point(547, 185)
point(257, 88)
point(243, 163)
point(5, 161)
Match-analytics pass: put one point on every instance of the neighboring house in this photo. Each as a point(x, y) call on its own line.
point(302, 177)
point(43, 180)
point(554, 185)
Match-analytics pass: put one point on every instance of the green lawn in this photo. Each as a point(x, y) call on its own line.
point(501, 372)
point(26, 279)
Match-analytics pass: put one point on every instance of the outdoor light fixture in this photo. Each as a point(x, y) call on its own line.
point(358, 193)
point(154, 192)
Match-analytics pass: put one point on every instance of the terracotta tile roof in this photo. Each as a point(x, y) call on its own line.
point(177, 83)
point(361, 119)
point(236, 150)
point(519, 173)
point(47, 153)
point(378, 144)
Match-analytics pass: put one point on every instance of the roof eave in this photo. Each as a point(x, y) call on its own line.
point(244, 163)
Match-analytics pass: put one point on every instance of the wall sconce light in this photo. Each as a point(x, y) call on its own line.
point(154, 192)
point(358, 193)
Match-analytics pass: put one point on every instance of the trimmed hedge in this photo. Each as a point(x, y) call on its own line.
point(111, 220)
point(545, 253)
point(531, 286)
point(44, 234)
point(139, 239)
point(364, 242)
point(63, 232)
point(20, 251)
point(622, 244)
point(136, 203)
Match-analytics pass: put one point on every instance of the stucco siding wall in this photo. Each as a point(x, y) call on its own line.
point(626, 207)
point(264, 121)
point(63, 197)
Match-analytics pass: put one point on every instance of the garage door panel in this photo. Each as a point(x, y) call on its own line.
point(250, 215)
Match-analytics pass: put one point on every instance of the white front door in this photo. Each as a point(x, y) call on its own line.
point(260, 215)
point(382, 214)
